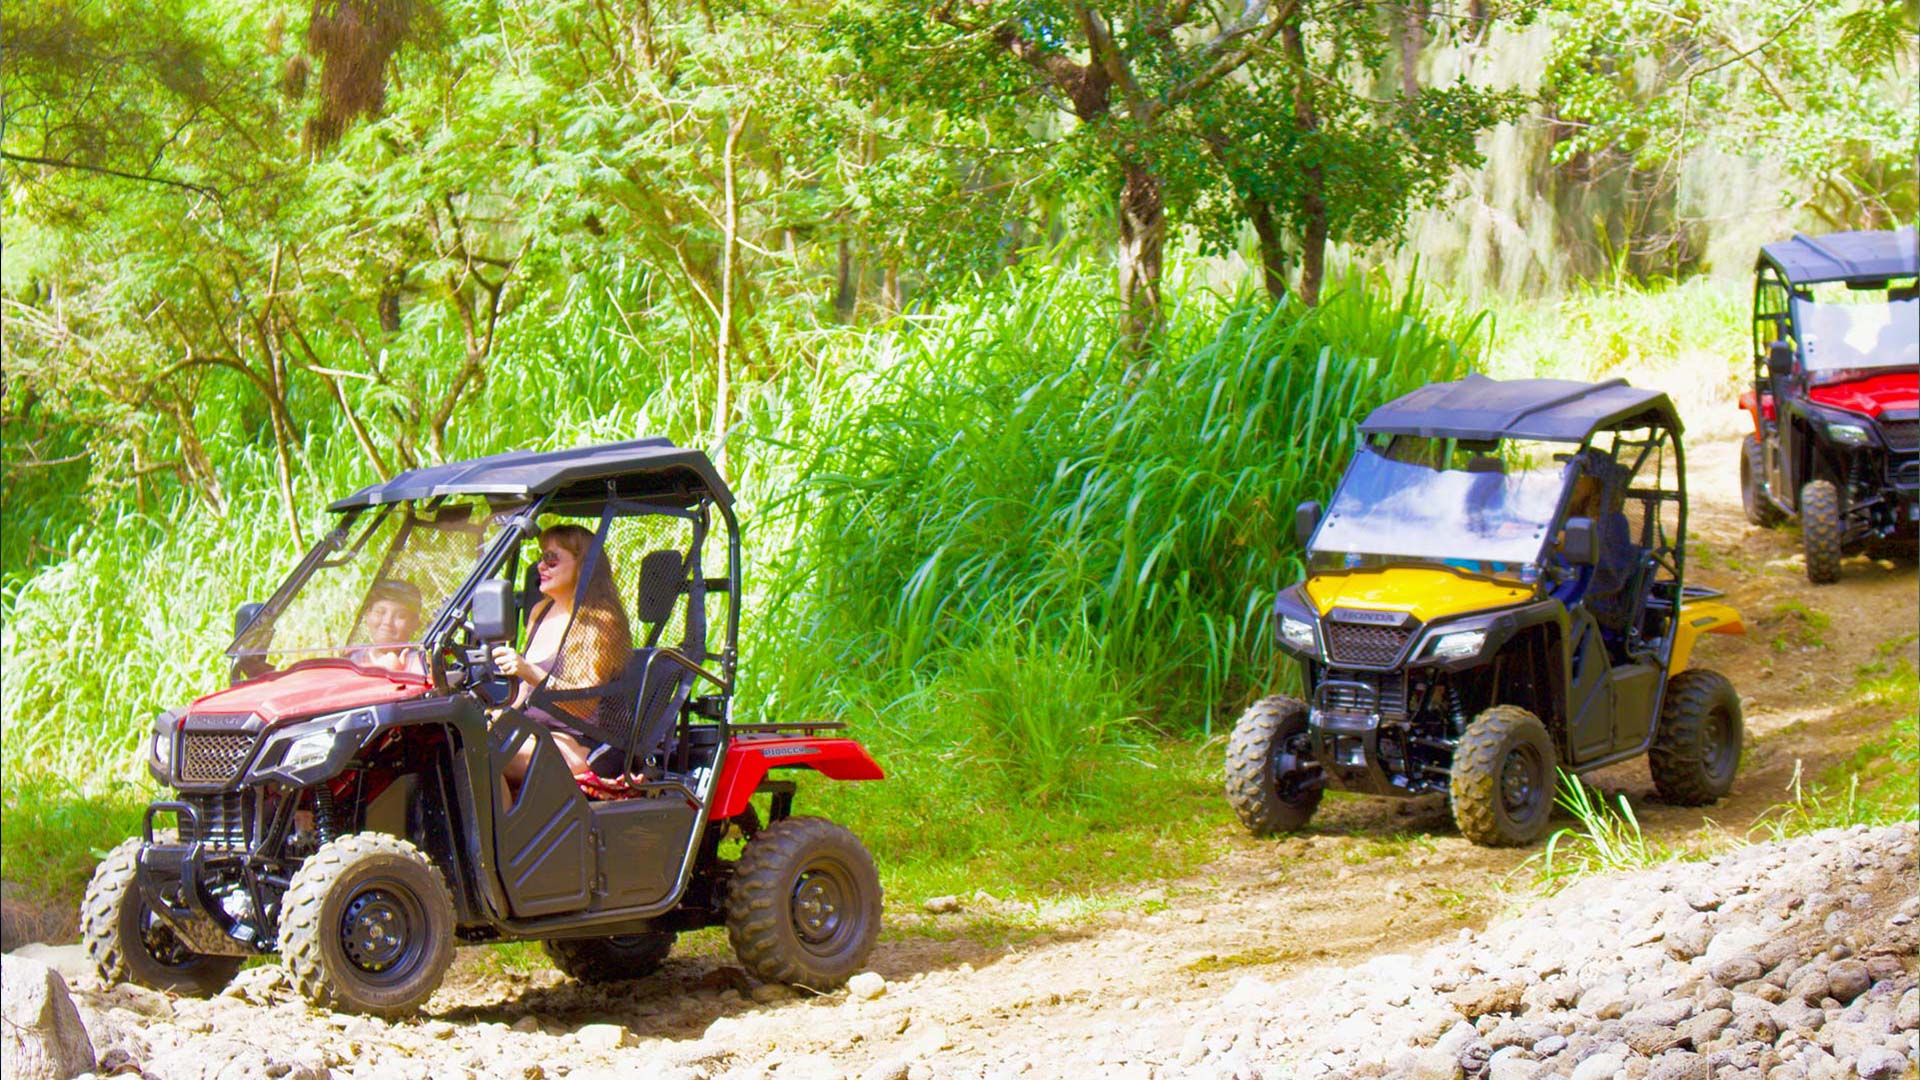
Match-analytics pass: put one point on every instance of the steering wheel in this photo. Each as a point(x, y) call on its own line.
point(468, 663)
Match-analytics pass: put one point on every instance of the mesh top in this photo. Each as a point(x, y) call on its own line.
point(652, 469)
point(1846, 256)
point(1549, 410)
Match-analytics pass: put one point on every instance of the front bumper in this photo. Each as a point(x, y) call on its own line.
point(176, 880)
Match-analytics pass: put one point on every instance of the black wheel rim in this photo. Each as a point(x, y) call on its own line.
point(1718, 753)
point(160, 942)
point(383, 931)
point(1290, 774)
point(1522, 783)
point(825, 908)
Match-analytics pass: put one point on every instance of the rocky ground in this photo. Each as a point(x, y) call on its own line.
point(1776, 962)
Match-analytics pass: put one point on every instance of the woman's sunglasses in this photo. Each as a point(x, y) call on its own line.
point(550, 558)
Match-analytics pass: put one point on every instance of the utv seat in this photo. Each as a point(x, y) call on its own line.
point(639, 711)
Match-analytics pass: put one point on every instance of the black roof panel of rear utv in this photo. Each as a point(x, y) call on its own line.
point(653, 469)
point(1549, 410)
point(1865, 256)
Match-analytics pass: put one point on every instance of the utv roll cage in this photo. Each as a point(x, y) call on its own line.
point(1480, 410)
point(1860, 260)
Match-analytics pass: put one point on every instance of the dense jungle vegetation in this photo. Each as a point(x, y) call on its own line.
point(1019, 327)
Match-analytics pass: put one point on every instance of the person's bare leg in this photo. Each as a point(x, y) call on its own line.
point(513, 773)
point(573, 751)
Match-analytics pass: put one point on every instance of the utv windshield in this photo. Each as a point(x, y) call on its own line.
point(1839, 341)
point(369, 591)
point(1482, 518)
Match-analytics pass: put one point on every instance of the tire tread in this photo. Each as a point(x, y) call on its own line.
point(1677, 756)
point(1249, 750)
point(756, 913)
point(302, 935)
point(1474, 785)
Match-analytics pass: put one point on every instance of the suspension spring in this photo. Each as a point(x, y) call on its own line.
point(1456, 707)
point(323, 811)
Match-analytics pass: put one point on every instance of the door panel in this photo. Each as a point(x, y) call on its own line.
point(1589, 704)
point(1635, 690)
point(641, 846)
point(541, 844)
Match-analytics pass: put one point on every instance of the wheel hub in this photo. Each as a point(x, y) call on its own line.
point(1518, 785)
point(1289, 774)
point(375, 930)
point(1717, 753)
point(818, 903)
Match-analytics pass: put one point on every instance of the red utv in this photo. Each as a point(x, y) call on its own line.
point(341, 802)
point(1836, 392)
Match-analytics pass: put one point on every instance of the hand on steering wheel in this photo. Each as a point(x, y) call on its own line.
point(508, 661)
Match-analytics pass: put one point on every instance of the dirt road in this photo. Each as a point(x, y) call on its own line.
point(1370, 877)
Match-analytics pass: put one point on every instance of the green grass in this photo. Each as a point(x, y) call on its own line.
point(1799, 626)
point(1879, 783)
point(1608, 839)
point(54, 833)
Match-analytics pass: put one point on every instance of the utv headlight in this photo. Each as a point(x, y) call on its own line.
point(309, 748)
point(160, 746)
point(1458, 645)
point(1298, 635)
point(1849, 434)
point(313, 743)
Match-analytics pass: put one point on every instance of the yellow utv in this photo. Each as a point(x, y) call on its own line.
point(1497, 588)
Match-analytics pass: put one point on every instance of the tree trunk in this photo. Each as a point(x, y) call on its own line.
point(1313, 245)
point(845, 296)
point(729, 262)
point(1313, 204)
point(1273, 254)
point(1143, 241)
point(1413, 39)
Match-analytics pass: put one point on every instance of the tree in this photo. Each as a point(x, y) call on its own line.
point(1307, 157)
point(1823, 87)
point(1126, 79)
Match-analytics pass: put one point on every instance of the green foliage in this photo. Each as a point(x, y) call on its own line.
point(1825, 88)
point(1145, 505)
point(56, 833)
point(1608, 839)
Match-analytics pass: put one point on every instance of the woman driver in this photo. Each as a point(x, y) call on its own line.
point(598, 643)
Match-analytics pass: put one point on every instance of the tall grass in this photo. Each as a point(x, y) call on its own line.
point(1017, 466)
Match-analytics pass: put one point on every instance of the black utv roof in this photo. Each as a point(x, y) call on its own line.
point(1549, 410)
point(1846, 256)
point(640, 469)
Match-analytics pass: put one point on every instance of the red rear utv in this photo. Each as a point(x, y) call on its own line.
point(342, 803)
point(1836, 393)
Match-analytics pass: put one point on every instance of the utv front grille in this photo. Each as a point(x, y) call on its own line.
point(1359, 693)
point(220, 820)
point(213, 757)
point(1901, 434)
point(1367, 646)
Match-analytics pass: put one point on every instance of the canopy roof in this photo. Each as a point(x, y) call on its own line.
point(653, 469)
point(1846, 256)
point(1549, 410)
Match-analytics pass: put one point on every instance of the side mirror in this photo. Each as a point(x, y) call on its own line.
point(1579, 543)
point(1306, 518)
point(1780, 359)
point(244, 615)
point(494, 616)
